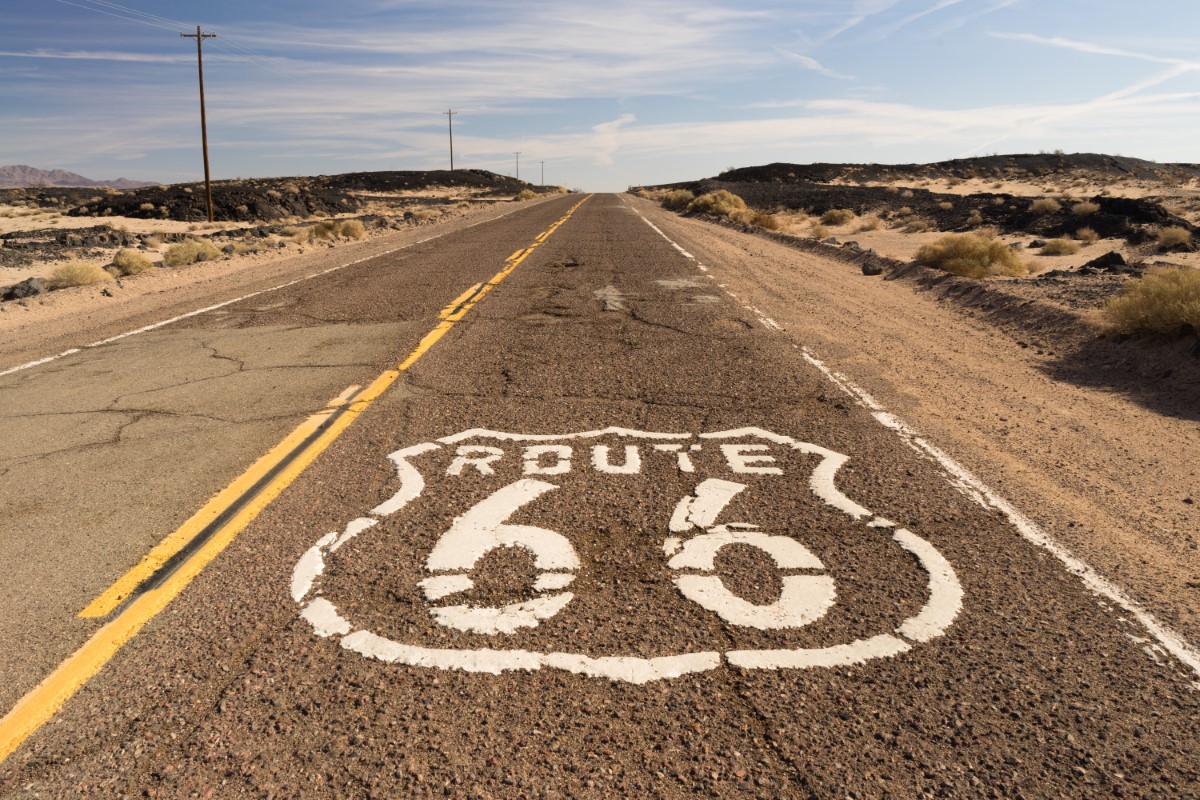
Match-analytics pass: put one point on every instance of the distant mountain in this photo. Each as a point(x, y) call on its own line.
point(20, 176)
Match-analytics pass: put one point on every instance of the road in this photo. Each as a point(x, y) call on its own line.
point(579, 523)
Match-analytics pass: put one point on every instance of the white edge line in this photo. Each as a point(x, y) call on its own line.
point(155, 325)
point(966, 482)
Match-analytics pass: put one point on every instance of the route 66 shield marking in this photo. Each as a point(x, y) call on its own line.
point(525, 478)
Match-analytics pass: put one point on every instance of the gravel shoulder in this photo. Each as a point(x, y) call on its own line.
point(1089, 439)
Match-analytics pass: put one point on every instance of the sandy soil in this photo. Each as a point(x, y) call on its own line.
point(1065, 426)
point(895, 243)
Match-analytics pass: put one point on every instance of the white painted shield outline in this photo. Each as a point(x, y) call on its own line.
point(938, 613)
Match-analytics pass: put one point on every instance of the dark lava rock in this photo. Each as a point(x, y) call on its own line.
point(30, 287)
point(1037, 243)
point(229, 249)
point(830, 240)
point(872, 267)
point(854, 247)
point(1015, 246)
point(1109, 262)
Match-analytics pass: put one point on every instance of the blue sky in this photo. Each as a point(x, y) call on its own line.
point(608, 94)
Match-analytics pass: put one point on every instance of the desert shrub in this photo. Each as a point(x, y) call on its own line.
point(1087, 235)
point(146, 207)
point(752, 217)
point(1060, 247)
point(190, 251)
point(1164, 300)
point(916, 226)
point(998, 201)
point(906, 193)
point(903, 210)
point(328, 229)
point(1085, 208)
point(353, 229)
point(152, 241)
point(971, 255)
point(290, 188)
point(677, 199)
point(945, 205)
point(837, 216)
point(131, 262)
point(1045, 205)
point(1174, 236)
point(720, 203)
point(243, 209)
point(76, 273)
point(869, 224)
point(424, 214)
point(893, 190)
point(525, 194)
point(274, 194)
point(818, 231)
point(975, 218)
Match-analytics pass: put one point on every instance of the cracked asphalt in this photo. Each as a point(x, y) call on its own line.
point(612, 536)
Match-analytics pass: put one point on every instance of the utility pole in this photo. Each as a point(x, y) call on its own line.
point(543, 183)
point(518, 155)
point(450, 119)
point(200, 37)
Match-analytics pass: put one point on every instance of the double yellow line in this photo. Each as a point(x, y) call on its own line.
point(146, 589)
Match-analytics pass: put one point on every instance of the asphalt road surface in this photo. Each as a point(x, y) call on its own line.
point(605, 532)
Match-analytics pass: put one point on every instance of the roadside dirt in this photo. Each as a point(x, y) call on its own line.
point(1092, 439)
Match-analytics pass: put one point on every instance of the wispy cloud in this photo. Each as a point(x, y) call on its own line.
point(888, 30)
point(96, 55)
point(862, 11)
point(810, 63)
point(1089, 47)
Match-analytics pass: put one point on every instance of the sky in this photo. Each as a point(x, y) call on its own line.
point(599, 95)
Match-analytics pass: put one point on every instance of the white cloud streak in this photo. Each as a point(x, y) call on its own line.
point(810, 63)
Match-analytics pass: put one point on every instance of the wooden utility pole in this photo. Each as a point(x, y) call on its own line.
point(517, 153)
point(200, 37)
point(543, 183)
point(450, 119)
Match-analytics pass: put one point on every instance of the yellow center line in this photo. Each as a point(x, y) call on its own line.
point(278, 469)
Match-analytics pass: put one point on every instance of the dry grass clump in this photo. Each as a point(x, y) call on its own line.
point(77, 273)
point(945, 205)
point(327, 229)
point(1174, 236)
point(975, 218)
point(906, 193)
point(677, 199)
point(971, 255)
point(916, 226)
point(1060, 247)
point(131, 262)
point(837, 216)
point(869, 224)
point(353, 229)
point(818, 231)
point(525, 194)
point(720, 203)
point(1164, 301)
point(425, 214)
point(190, 251)
point(1087, 235)
point(1045, 205)
point(147, 207)
point(1085, 208)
